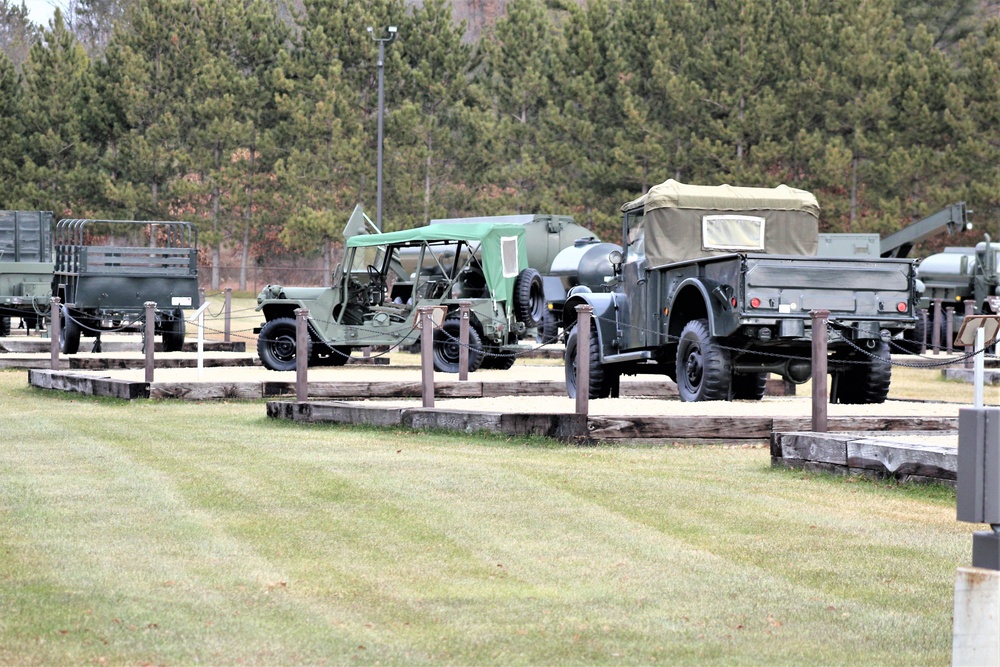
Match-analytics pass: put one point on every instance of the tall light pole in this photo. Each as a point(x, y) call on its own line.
point(382, 41)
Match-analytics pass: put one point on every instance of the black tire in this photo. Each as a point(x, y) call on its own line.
point(749, 386)
point(548, 331)
point(529, 298)
point(913, 339)
point(276, 344)
point(602, 382)
point(447, 347)
point(4, 326)
point(704, 370)
point(173, 331)
point(497, 359)
point(69, 332)
point(864, 383)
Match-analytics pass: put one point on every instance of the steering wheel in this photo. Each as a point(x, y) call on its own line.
point(377, 287)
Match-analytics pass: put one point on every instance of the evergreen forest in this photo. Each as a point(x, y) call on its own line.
point(257, 119)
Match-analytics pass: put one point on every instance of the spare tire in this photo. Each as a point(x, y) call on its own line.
point(529, 298)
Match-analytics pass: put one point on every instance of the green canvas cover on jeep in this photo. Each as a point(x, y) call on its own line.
point(682, 222)
point(503, 253)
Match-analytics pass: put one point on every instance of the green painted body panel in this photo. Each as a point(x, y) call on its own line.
point(25, 263)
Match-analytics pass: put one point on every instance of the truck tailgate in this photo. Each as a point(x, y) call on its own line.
point(796, 285)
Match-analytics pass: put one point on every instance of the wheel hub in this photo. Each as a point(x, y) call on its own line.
point(284, 348)
point(693, 368)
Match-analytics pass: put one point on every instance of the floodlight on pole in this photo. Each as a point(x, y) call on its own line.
point(382, 41)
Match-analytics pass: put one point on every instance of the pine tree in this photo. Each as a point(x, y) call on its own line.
point(17, 32)
point(60, 170)
point(426, 135)
point(11, 133)
point(251, 41)
point(336, 30)
point(914, 178)
point(659, 98)
point(843, 102)
point(741, 62)
point(94, 22)
point(323, 140)
point(146, 89)
point(974, 113)
point(518, 62)
point(585, 120)
point(947, 23)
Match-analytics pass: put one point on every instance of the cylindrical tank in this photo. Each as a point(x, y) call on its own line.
point(952, 269)
point(586, 262)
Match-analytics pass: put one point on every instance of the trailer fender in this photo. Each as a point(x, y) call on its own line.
point(697, 298)
point(605, 315)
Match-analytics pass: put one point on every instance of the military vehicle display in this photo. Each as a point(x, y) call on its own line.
point(958, 276)
point(374, 299)
point(25, 268)
point(106, 270)
point(714, 288)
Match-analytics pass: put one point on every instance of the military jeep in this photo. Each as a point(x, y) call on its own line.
point(374, 300)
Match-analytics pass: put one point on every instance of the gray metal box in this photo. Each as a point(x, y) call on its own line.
point(848, 245)
point(978, 475)
point(986, 550)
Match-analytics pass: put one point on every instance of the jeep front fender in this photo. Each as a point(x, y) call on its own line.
point(605, 315)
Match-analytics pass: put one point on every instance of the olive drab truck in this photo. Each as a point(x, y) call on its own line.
point(714, 289)
point(25, 268)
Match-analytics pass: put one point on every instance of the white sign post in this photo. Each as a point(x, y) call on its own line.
point(200, 316)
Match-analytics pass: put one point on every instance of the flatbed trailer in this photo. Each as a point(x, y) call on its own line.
point(107, 270)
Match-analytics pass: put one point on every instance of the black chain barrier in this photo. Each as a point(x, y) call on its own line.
point(833, 326)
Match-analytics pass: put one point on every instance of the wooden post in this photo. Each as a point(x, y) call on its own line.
point(229, 313)
point(949, 328)
point(936, 333)
point(201, 297)
point(583, 313)
point(463, 340)
point(819, 351)
point(301, 354)
point(923, 341)
point(425, 317)
point(150, 342)
point(969, 312)
point(55, 330)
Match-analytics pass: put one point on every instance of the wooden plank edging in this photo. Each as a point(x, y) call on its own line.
point(849, 453)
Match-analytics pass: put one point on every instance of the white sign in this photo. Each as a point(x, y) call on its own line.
point(990, 324)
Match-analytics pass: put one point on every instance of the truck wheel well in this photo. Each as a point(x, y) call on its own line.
point(688, 305)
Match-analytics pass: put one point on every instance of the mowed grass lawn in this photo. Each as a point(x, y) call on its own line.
point(177, 533)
